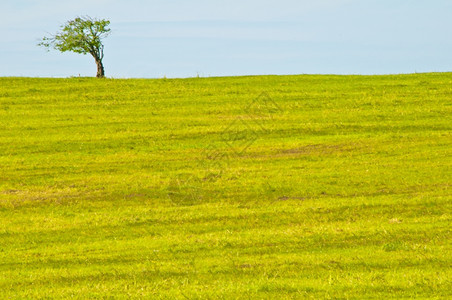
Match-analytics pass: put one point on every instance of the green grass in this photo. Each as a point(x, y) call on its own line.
point(333, 187)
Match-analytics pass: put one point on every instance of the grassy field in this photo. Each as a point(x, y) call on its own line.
point(244, 187)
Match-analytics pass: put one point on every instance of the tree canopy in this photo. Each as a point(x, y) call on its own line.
point(82, 35)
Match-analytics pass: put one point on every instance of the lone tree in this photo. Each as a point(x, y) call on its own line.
point(82, 35)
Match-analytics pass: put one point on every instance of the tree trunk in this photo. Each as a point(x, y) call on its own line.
point(100, 69)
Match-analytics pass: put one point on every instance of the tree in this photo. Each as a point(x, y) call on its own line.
point(82, 35)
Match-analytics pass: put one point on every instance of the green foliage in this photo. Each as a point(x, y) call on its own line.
point(81, 35)
point(120, 189)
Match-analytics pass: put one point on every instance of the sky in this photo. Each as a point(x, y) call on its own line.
point(175, 38)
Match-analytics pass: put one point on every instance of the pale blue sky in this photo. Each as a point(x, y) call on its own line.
point(177, 38)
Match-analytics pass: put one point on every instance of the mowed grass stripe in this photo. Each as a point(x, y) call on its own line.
point(337, 187)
